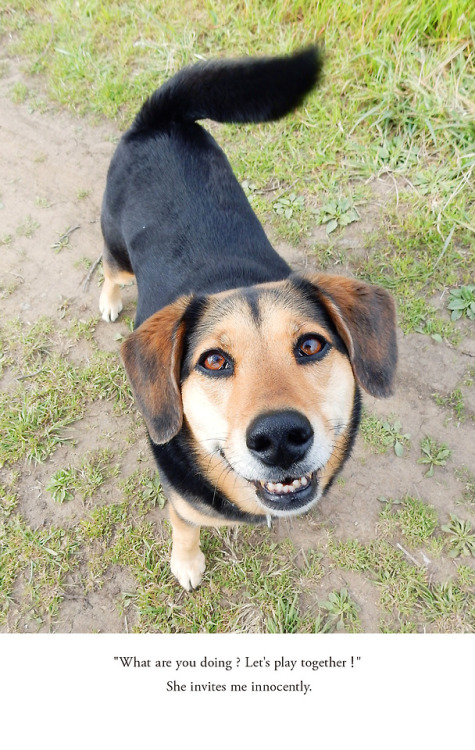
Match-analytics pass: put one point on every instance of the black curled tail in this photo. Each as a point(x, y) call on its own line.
point(246, 90)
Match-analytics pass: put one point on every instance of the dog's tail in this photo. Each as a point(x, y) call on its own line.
point(247, 90)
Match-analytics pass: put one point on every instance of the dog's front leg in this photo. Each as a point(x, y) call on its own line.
point(187, 560)
point(110, 301)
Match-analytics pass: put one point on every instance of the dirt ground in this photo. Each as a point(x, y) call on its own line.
point(47, 158)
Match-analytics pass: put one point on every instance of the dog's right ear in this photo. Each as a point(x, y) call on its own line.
point(152, 358)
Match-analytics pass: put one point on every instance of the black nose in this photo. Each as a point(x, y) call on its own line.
point(280, 438)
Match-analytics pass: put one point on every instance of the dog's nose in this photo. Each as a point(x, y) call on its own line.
point(280, 438)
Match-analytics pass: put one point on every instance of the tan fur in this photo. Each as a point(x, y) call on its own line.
point(267, 378)
point(187, 560)
point(110, 301)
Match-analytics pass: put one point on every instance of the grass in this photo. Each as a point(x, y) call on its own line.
point(395, 109)
point(381, 434)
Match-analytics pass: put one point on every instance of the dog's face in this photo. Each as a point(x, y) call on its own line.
point(265, 380)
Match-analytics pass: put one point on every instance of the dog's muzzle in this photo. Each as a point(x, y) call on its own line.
point(281, 441)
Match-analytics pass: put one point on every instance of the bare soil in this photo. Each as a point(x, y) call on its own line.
point(47, 158)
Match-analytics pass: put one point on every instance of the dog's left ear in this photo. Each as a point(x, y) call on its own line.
point(365, 318)
point(152, 359)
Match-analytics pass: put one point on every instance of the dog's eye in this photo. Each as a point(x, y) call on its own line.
point(311, 347)
point(215, 362)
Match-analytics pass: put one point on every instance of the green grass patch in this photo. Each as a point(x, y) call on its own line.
point(383, 434)
point(40, 560)
point(85, 481)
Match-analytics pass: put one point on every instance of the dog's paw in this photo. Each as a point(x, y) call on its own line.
point(110, 305)
point(189, 571)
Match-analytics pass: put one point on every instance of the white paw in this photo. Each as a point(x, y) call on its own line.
point(189, 571)
point(110, 306)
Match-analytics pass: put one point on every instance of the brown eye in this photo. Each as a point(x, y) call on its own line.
point(310, 346)
point(214, 361)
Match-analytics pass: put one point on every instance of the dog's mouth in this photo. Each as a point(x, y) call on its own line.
point(289, 495)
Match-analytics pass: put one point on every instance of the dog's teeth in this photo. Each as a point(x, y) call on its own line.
point(279, 488)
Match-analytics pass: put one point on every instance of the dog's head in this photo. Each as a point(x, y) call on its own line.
point(266, 381)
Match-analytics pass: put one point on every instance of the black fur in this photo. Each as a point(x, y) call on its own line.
point(173, 212)
point(249, 90)
point(180, 471)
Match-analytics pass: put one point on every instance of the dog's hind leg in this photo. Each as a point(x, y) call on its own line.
point(110, 301)
point(187, 560)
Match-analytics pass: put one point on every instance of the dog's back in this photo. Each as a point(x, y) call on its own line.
point(174, 214)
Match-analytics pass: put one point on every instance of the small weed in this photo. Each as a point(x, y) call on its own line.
point(250, 189)
point(389, 501)
point(42, 202)
point(382, 435)
point(286, 207)
point(28, 227)
point(337, 213)
point(434, 454)
point(461, 540)
point(144, 491)
point(342, 611)
point(63, 240)
point(395, 438)
point(151, 491)
point(61, 485)
point(95, 469)
point(462, 302)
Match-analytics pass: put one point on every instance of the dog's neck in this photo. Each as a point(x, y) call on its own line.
point(185, 474)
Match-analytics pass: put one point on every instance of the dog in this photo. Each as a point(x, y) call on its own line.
point(248, 376)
